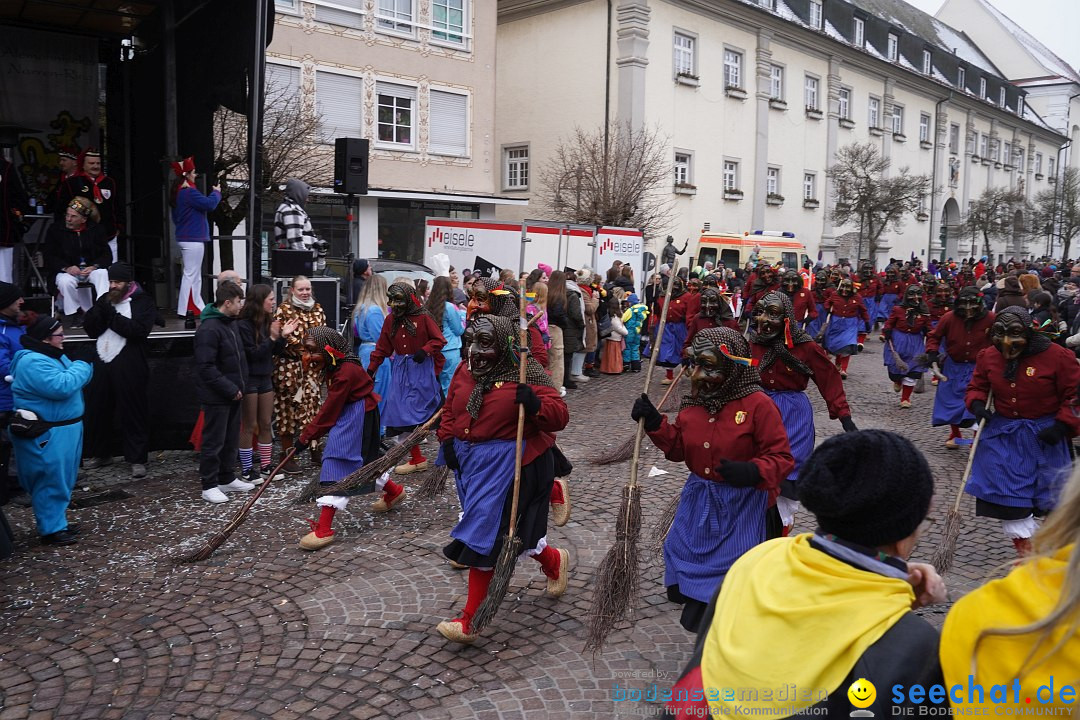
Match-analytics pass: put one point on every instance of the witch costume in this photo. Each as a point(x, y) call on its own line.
point(674, 337)
point(847, 313)
point(905, 332)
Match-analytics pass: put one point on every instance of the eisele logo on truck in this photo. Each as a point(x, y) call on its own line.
point(626, 247)
point(451, 239)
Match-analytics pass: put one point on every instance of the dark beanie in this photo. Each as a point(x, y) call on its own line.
point(121, 272)
point(43, 327)
point(870, 487)
point(8, 294)
point(359, 266)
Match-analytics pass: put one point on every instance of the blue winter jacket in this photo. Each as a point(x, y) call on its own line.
point(50, 387)
point(10, 332)
point(189, 215)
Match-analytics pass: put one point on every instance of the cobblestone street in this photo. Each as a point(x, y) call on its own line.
point(111, 628)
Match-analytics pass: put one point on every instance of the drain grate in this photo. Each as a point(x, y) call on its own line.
point(100, 498)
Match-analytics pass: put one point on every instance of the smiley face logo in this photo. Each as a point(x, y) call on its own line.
point(862, 693)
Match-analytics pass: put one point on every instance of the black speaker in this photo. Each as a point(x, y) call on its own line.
point(350, 166)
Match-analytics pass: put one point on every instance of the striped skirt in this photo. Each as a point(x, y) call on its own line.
point(1012, 467)
point(949, 407)
point(907, 346)
point(798, 416)
point(414, 393)
point(352, 441)
point(842, 336)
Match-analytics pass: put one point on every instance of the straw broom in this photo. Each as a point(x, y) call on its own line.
point(820, 337)
point(943, 556)
point(663, 524)
point(511, 542)
point(219, 539)
point(897, 360)
point(433, 482)
point(623, 451)
point(365, 477)
point(617, 575)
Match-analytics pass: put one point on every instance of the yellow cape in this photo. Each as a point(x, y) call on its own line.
point(1026, 594)
point(791, 615)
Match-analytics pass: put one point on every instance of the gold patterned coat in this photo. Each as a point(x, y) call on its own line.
point(296, 389)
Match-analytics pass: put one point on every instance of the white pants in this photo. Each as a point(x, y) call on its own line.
point(1023, 528)
point(113, 245)
point(72, 297)
point(6, 255)
point(192, 253)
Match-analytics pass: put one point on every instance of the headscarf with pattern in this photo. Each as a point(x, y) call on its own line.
point(723, 312)
point(743, 377)
point(779, 348)
point(333, 345)
point(505, 368)
point(1037, 341)
point(413, 307)
point(502, 299)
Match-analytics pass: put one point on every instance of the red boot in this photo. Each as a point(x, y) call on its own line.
point(1023, 547)
point(322, 534)
point(905, 395)
point(392, 496)
point(556, 565)
point(417, 462)
point(460, 629)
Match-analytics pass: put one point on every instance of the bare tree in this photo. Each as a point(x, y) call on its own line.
point(991, 214)
point(868, 195)
point(1059, 208)
point(289, 149)
point(621, 178)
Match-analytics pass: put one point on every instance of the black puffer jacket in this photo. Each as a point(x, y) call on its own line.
point(260, 354)
point(220, 363)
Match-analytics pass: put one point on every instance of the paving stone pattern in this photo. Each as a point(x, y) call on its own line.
point(112, 628)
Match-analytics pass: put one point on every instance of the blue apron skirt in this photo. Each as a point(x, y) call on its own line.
point(1012, 467)
point(908, 346)
point(351, 442)
point(814, 326)
point(671, 344)
point(842, 336)
point(949, 407)
point(871, 312)
point(885, 306)
point(414, 390)
point(798, 416)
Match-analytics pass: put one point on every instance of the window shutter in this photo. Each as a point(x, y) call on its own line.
point(401, 91)
point(344, 18)
point(338, 100)
point(283, 77)
point(449, 128)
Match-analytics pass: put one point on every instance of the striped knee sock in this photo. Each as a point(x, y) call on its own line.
point(266, 453)
point(245, 458)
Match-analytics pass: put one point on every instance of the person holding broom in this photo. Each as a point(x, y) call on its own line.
point(1023, 452)
point(846, 313)
point(788, 359)
point(349, 417)
point(905, 334)
point(477, 433)
point(732, 438)
point(713, 311)
point(675, 330)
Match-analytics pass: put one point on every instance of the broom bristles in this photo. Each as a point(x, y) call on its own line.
point(618, 454)
point(943, 555)
point(663, 524)
point(433, 483)
point(500, 583)
point(617, 576)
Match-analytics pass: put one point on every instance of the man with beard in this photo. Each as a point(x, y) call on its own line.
point(714, 311)
point(92, 183)
point(846, 314)
point(732, 438)
point(802, 302)
point(413, 342)
point(965, 331)
point(119, 322)
point(477, 433)
point(869, 291)
point(1024, 451)
point(788, 359)
point(905, 332)
point(675, 330)
point(764, 280)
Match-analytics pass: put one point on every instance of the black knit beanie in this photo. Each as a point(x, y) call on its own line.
point(870, 487)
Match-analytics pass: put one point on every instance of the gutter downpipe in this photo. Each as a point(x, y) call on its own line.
point(933, 182)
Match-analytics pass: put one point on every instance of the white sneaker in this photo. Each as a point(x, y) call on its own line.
point(214, 495)
point(562, 392)
point(236, 485)
point(580, 378)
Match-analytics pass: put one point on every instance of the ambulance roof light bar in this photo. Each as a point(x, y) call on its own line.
point(772, 233)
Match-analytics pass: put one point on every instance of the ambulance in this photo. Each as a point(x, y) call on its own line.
point(734, 250)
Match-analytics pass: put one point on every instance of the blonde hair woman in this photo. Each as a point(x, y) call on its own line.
point(296, 387)
point(368, 318)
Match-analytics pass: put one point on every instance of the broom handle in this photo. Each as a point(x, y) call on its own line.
point(649, 371)
point(667, 393)
point(971, 456)
point(523, 361)
point(242, 513)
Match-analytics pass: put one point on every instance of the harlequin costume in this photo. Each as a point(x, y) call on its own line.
point(847, 314)
point(714, 311)
point(788, 359)
point(964, 332)
point(477, 432)
point(671, 344)
point(804, 308)
point(1024, 451)
point(296, 387)
point(906, 329)
point(413, 343)
point(635, 319)
point(732, 438)
point(349, 418)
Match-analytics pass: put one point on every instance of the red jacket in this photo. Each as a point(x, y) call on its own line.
point(779, 376)
point(349, 383)
point(898, 320)
point(896, 287)
point(1045, 384)
point(962, 346)
point(869, 288)
point(846, 307)
point(749, 429)
point(696, 323)
point(677, 313)
point(693, 303)
point(804, 305)
point(428, 338)
point(499, 415)
point(937, 312)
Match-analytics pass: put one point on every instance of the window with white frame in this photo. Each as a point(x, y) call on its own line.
point(873, 117)
point(353, 18)
point(858, 32)
point(772, 181)
point(684, 54)
point(516, 167)
point(395, 121)
point(811, 95)
point(1038, 163)
point(897, 119)
point(924, 127)
point(1001, 97)
point(287, 5)
point(448, 116)
point(844, 103)
point(731, 175)
point(961, 78)
point(1007, 152)
point(954, 139)
point(894, 47)
point(984, 146)
point(732, 69)
point(682, 168)
point(1050, 162)
point(283, 79)
point(338, 100)
point(815, 14)
point(927, 62)
point(922, 204)
point(395, 15)
point(776, 82)
point(982, 88)
point(448, 21)
point(809, 186)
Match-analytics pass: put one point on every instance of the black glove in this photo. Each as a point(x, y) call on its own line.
point(739, 474)
point(685, 361)
point(978, 409)
point(848, 424)
point(526, 397)
point(419, 356)
point(1054, 434)
point(643, 408)
point(887, 334)
point(449, 456)
point(932, 357)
